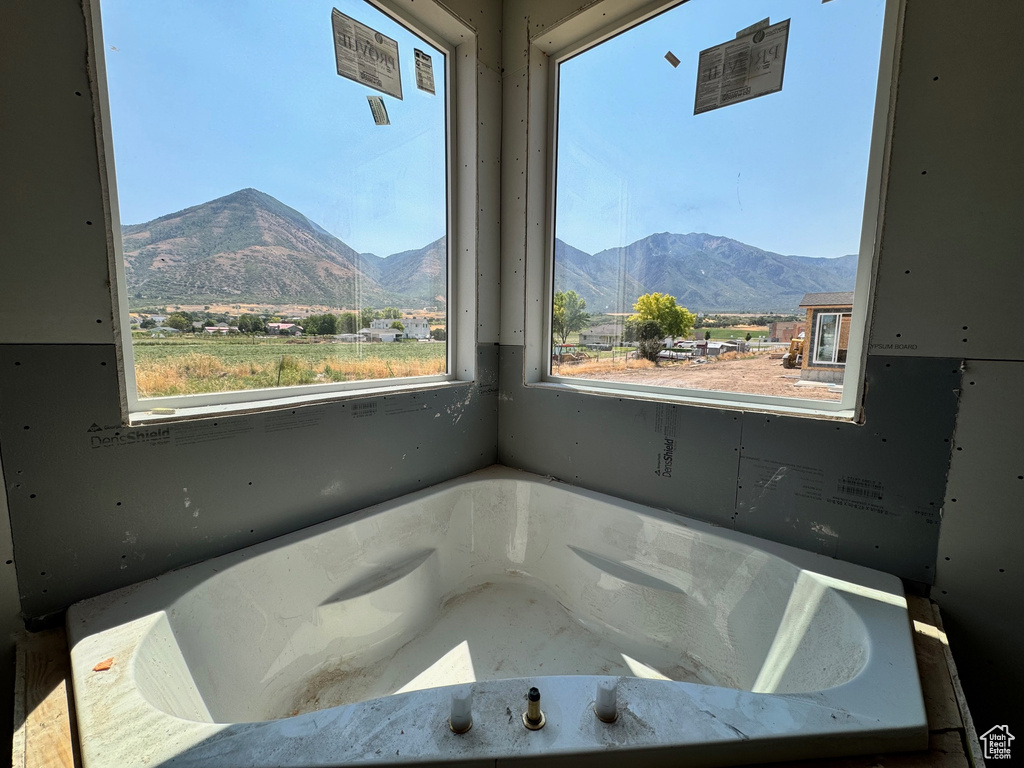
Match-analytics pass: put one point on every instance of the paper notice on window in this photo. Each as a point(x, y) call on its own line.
point(378, 110)
point(424, 71)
point(763, 23)
point(365, 55)
point(742, 69)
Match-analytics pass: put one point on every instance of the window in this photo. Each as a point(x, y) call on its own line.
point(714, 173)
point(282, 208)
point(827, 348)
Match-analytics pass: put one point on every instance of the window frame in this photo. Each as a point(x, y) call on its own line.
point(592, 27)
point(457, 42)
point(835, 341)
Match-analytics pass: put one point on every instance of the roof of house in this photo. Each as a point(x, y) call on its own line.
point(839, 299)
point(609, 329)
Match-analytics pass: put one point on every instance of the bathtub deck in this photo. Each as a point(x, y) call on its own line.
point(44, 711)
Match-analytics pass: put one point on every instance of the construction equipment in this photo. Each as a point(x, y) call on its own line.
point(795, 356)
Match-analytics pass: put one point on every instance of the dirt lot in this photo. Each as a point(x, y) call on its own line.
point(754, 375)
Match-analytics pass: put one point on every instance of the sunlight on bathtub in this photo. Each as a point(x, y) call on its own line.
point(454, 667)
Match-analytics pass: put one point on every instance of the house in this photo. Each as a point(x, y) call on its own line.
point(222, 328)
point(349, 338)
point(606, 336)
point(378, 334)
point(283, 329)
point(828, 318)
point(785, 332)
point(415, 327)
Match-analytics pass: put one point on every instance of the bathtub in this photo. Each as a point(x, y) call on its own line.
point(348, 642)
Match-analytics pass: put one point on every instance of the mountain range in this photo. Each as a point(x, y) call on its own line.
point(251, 247)
point(248, 247)
point(704, 272)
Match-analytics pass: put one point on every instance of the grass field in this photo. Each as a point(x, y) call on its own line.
point(197, 364)
point(736, 332)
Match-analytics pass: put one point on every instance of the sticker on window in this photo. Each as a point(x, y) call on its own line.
point(424, 71)
point(379, 111)
point(742, 69)
point(365, 55)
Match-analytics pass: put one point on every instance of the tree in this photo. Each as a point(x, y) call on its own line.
point(147, 323)
point(179, 321)
point(366, 316)
point(649, 340)
point(707, 335)
point(439, 334)
point(662, 309)
point(347, 323)
point(748, 336)
point(569, 314)
point(251, 324)
point(391, 313)
point(397, 325)
point(322, 325)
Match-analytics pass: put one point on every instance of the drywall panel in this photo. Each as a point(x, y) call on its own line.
point(489, 229)
point(870, 493)
point(95, 506)
point(514, 105)
point(485, 18)
point(672, 457)
point(55, 251)
point(952, 259)
point(980, 569)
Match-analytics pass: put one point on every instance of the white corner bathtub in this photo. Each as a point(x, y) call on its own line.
point(344, 643)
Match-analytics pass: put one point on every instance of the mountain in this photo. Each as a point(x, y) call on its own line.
point(421, 273)
point(704, 272)
point(251, 247)
point(248, 247)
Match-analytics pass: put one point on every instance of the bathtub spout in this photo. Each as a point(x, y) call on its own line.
point(605, 707)
point(461, 718)
point(533, 718)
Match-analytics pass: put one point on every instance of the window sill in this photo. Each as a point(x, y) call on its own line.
point(159, 414)
point(733, 401)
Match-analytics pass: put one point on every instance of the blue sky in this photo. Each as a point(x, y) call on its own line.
point(785, 172)
point(208, 97)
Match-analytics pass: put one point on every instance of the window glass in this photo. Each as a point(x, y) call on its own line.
point(280, 224)
point(701, 228)
point(827, 336)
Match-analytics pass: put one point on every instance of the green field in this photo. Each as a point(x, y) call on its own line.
point(724, 334)
point(197, 364)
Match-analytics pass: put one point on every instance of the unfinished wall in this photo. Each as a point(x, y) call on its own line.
point(94, 505)
point(949, 288)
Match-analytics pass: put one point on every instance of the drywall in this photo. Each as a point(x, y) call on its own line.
point(95, 505)
point(54, 243)
point(980, 576)
point(870, 494)
point(953, 273)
